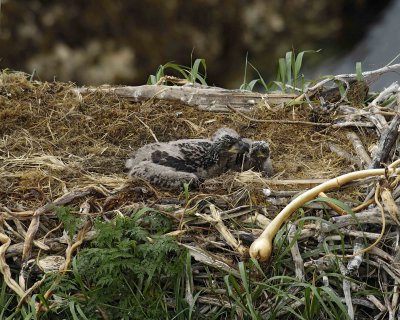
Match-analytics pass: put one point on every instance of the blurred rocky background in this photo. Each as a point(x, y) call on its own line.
point(122, 41)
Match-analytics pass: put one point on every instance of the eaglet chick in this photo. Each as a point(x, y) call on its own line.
point(257, 159)
point(170, 164)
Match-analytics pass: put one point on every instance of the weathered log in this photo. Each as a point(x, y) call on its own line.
point(204, 98)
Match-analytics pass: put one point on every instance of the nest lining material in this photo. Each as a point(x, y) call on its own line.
point(54, 140)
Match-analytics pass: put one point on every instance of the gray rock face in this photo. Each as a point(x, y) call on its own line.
point(47, 36)
point(173, 163)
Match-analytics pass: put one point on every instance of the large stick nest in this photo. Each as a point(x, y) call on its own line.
point(62, 147)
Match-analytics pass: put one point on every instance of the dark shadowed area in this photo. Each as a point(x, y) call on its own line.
point(96, 42)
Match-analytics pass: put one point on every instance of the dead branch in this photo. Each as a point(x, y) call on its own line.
point(344, 154)
point(64, 199)
point(215, 219)
point(294, 249)
point(360, 150)
point(387, 140)
point(204, 98)
point(366, 74)
point(367, 216)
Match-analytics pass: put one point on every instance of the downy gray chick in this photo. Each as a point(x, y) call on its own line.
point(257, 159)
point(170, 164)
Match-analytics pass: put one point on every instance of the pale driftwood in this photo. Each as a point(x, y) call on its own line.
point(366, 216)
point(204, 98)
point(387, 140)
point(215, 219)
point(359, 148)
point(284, 193)
point(294, 249)
point(16, 249)
point(361, 302)
point(382, 254)
point(295, 182)
point(297, 122)
point(344, 154)
point(360, 234)
point(385, 94)
point(366, 74)
point(258, 219)
point(356, 124)
point(395, 298)
point(375, 116)
point(351, 112)
point(378, 119)
point(391, 269)
point(377, 303)
point(209, 259)
point(346, 290)
point(355, 262)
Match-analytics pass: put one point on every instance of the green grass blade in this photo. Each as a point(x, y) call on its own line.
point(234, 291)
point(152, 79)
point(334, 298)
point(289, 63)
point(81, 313)
point(71, 305)
point(336, 202)
point(341, 88)
point(297, 64)
point(252, 83)
point(282, 70)
point(194, 72)
point(160, 72)
point(192, 305)
point(243, 86)
point(260, 78)
point(393, 60)
point(359, 71)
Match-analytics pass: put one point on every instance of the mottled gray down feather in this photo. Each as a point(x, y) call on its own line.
point(170, 164)
point(257, 159)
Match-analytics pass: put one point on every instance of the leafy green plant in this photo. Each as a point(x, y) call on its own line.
point(289, 72)
point(250, 85)
point(242, 295)
point(71, 221)
point(8, 301)
point(191, 74)
point(129, 270)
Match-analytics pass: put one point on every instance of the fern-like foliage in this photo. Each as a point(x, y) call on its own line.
point(129, 271)
point(70, 221)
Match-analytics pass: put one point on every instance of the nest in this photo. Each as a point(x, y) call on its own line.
point(60, 147)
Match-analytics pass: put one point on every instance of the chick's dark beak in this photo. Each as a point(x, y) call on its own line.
point(243, 147)
point(261, 154)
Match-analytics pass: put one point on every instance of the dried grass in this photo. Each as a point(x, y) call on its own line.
point(54, 140)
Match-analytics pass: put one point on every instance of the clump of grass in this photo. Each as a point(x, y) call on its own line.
point(289, 72)
point(289, 77)
point(191, 74)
